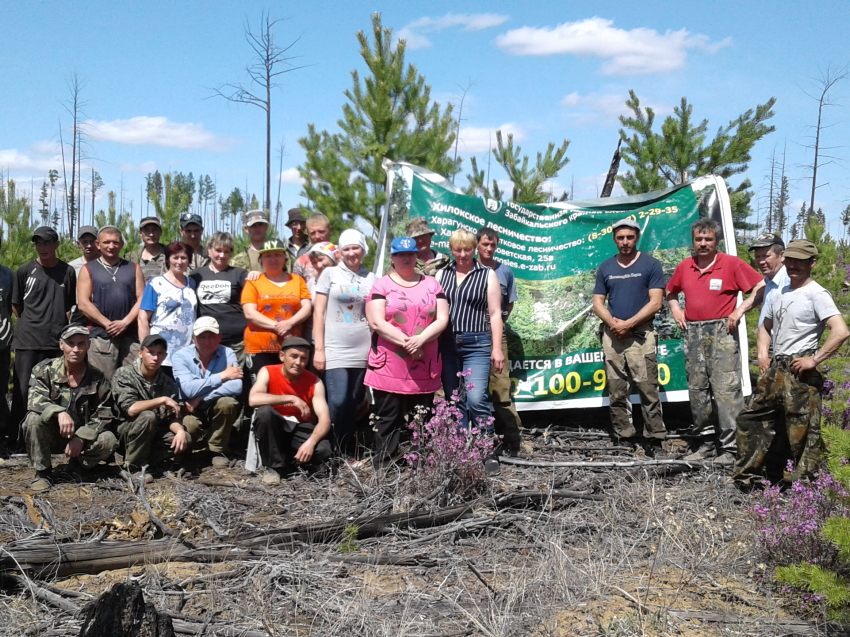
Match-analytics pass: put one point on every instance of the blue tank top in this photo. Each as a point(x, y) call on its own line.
point(113, 292)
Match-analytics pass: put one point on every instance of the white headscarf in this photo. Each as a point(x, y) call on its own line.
point(353, 237)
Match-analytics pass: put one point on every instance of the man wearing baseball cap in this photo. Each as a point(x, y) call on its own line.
point(210, 382)
point(789, 388)
point(428, 261)
point(633, 283)
point(298, 244)
point(768, 251)
point(70, 408)
point(87, 242)
point(711, 281)
point(192, 233)
point(44, 294)
point(292, 421)
point(255, 224)
point(151, 256)
point(146, 402)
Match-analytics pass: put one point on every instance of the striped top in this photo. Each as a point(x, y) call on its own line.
point(468, 311)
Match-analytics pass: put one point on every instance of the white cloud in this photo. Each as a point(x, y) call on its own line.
point(40, 158)
point(595, 109)
point(144, 167)
point(412, 33)
point(479, 139)
point(291, 176)
point(156, 131)
point(639, 51)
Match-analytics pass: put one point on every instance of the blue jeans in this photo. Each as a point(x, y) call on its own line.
point(345, 392)
point(468, 351)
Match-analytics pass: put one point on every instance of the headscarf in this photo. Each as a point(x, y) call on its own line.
point(353, 237)
point(328, 249)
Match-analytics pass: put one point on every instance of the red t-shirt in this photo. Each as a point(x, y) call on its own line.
point(712, 294)
point(304, 388)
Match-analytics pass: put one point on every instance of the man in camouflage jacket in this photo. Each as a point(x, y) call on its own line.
point(428, 261)
point(146, 401)
point(70, 407)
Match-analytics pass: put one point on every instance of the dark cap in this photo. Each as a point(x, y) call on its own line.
point(146, 221)
point(255, 216)
point(767, 239)
point(272, 245)
point(84, 230)
point(801, 249)
point(417, 227)
point(188, 218)
point(45, 232)
point(295, 215)
point(155, 339)
point(72, 330)
point(294, 341)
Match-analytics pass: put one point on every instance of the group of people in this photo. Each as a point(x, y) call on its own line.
point(171, 348)
point(781, 421)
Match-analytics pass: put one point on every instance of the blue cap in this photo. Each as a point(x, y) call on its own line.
point(402, 245)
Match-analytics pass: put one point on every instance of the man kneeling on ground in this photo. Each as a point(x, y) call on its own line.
point(210, 381)
point(292, 421)
point(70, 405)
point(146, 400)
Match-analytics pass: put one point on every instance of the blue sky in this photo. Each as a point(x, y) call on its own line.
point(546, 71)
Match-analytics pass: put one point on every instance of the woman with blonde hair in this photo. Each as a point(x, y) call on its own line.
point(473, 340)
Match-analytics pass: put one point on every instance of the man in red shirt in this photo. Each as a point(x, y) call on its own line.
point(292, 421)
point(711, 281)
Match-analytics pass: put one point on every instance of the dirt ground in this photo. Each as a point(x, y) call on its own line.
point(658, 551)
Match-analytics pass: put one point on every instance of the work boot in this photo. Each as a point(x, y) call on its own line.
point(491, 465)
point(706, 450)
point(43, 481)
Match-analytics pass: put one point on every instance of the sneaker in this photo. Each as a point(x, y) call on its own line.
point(491, 466)
point(726, 459)
point(271, 477)
point(220, 462)
point(43, 481)
point(706, 451)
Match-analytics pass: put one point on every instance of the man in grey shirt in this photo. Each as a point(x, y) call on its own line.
point(782, 421)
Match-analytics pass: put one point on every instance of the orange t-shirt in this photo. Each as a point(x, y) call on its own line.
point(277, 302)
point(304, 388)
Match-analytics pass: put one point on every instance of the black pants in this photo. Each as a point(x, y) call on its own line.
point(279, 440)
point(390, 424)
point(255, 362)
point(25, 360)
point(5, 374)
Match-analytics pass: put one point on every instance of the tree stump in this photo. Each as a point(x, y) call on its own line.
point(122, 612)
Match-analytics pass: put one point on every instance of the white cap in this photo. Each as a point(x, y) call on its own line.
point(205, 324)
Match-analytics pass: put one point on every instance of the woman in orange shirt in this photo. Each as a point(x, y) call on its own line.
point(275, 304)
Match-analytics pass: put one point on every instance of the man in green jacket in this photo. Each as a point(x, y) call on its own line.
point(70, 407)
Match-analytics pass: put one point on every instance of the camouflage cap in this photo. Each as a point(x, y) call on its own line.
point(767, 239)
point(801, 249)
point(416, 227)
point(72, 330)
point(255, 216)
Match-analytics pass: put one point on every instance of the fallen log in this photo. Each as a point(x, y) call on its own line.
point(603, 465)
point(524, 497)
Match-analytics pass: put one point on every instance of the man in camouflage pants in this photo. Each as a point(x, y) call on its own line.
point(70, 408)
point(711, 281)
point(783, 420)
point(146, 401)
point(428, 261)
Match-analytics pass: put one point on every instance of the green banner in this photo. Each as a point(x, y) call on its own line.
point(541, 242)
point(554, 345)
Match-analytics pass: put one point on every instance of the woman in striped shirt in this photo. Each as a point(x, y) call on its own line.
point(473, 340)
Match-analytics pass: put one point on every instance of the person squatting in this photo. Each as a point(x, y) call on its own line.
point(187, 350)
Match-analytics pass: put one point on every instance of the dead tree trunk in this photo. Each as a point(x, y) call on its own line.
point(122, 612)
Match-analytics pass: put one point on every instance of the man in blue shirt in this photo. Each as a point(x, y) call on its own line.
point(210, 382)
point(633, 283)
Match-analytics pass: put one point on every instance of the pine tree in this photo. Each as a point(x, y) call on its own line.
point(527, 182)
point(845, 220)
point(780, 206)
point(389, 114)
point(681, 152)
